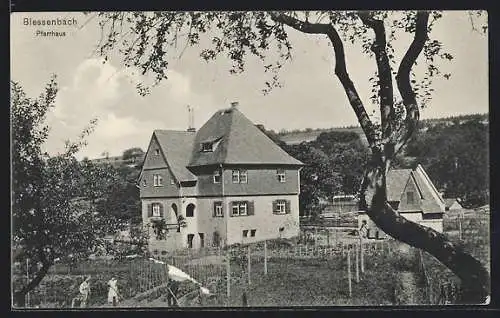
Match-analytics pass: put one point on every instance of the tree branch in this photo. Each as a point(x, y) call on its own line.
point(384, 70)
point(387, 112)
point(340, 69)
point(403, 78)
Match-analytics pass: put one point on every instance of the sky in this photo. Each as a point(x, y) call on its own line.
point(311, 96)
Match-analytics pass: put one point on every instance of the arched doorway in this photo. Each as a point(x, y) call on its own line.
point(190, 210)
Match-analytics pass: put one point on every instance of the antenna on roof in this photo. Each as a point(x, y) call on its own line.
point(190, 119)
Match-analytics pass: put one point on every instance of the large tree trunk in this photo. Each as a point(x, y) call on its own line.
point(386, 143)
point(474, 277)
point(19, 296)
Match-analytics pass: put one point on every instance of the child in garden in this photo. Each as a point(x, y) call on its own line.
point(84, 292)
point(113, 291)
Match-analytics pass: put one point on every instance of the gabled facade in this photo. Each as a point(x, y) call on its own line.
point(228, 182)
point(414, 196)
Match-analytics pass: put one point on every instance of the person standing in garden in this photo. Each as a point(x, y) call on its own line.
point(113, 291)
point(84, 292)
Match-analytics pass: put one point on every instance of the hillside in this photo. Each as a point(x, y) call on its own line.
point(298, 136)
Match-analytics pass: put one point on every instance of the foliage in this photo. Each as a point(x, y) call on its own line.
point(317, 178)
point(51, 214)
point(456, 158)
point(132, 153)
point(122, 202)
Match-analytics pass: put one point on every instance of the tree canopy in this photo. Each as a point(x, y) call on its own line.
point(53, 215)
point(397, 90)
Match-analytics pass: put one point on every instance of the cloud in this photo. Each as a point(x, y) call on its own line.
point(125, 119)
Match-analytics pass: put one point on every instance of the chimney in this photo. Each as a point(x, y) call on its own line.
point(234, 104)
point(190, 119)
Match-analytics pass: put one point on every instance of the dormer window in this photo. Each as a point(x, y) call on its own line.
point(207, 146)
point(210, 145)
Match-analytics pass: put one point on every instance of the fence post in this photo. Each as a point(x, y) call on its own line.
point(265, 257)
point(459, 226)
point(315, 236)
point(327, 237)
point(228, 276)
point(249, 265)
point(349, 272)
point(357, 263)
point(27, 282)
point(362, 258)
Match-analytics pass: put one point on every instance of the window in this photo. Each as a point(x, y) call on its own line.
point(236, 208)
point(156, 209)
point(280, 174)
point(279, 207)
point(242, 208)
point(281, 229)
point(217, 177)
point(190, 240)
point(236, 176)
point(252, 233)
point(245, 233)
point(410, 199)
point(239, 176)
point(243, 176)
point(218, 209)
point(206, 147)
point(157, 180)
point(157, 152)
point(190, 210)
point(172, 181)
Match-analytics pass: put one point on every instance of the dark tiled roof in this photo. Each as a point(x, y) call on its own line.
point(396, 181)
point(241, 142)
point(398, 178)
point(177, 147)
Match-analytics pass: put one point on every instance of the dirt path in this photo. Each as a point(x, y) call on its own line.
point(407, 291)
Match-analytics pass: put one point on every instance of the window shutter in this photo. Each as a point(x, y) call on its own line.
point(231, 208)
point(250, 208)
point(161, 209)
point(150, 210)
point(213, 210)
point(287, 207)
point(275, 206)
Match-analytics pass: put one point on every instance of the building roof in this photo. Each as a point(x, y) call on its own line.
point(449, 202)
point(397, 179)
point(236, 141)
point(395, 183)
point(176, 147)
